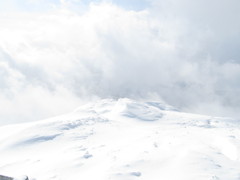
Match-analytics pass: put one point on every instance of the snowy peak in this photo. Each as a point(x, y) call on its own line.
point(122, 140)
point(147, 111)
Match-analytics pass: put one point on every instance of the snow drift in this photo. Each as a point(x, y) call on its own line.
point(123, 140)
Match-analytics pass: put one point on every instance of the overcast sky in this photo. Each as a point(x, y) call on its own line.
point(58, 54)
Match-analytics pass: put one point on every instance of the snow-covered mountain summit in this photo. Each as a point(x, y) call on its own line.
point(123, 140)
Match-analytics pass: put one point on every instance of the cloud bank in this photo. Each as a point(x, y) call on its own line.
point(183, 52)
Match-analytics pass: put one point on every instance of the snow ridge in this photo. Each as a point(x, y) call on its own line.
point(123, 140)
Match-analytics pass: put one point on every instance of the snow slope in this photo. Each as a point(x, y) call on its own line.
point(123, 140)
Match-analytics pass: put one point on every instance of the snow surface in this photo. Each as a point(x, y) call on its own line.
point(123, 140)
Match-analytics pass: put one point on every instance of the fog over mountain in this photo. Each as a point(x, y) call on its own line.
point(56, 55)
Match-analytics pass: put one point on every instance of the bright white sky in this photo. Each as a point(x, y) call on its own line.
point(56, 55)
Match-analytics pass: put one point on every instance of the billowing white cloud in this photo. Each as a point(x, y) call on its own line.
point(52, 62)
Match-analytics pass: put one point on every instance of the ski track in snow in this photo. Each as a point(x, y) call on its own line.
point(123, 140)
